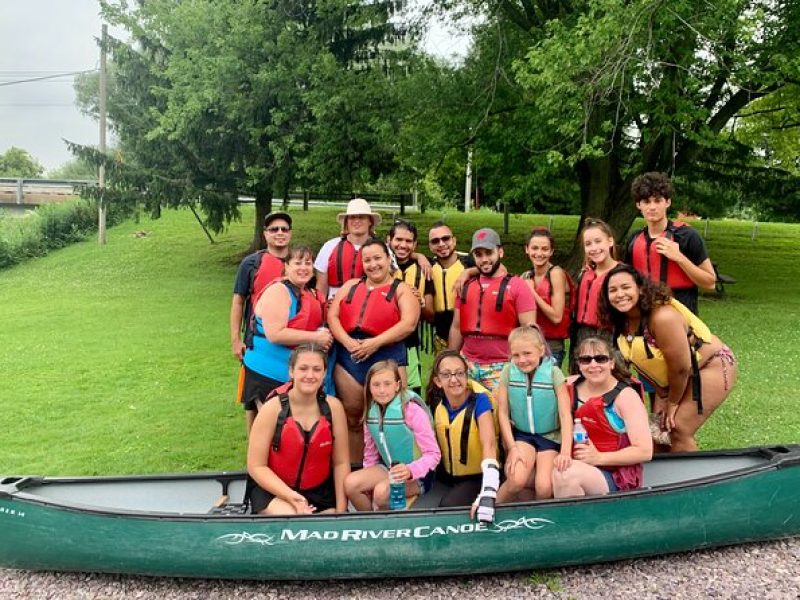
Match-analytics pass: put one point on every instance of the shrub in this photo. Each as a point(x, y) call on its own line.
point(49, 227)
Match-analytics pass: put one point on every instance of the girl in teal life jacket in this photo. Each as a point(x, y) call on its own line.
point(398, 432)
point(535, 417)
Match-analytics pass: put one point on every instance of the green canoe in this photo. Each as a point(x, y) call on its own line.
point(166, 525)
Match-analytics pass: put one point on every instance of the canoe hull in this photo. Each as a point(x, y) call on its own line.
point(753, 506)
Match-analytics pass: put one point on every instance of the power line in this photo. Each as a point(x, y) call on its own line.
point(32, 79)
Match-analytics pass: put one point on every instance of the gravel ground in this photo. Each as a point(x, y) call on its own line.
point(760, 571)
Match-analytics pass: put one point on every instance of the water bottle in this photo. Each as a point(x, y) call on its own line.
point(579, 435)
point(397, 492)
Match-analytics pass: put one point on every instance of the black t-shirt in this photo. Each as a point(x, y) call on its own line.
point(693, 247)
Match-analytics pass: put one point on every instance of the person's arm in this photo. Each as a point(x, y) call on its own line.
point(487, 436)
point(273, 310)
point(467, 274)
point(258, 454)
point(371, 455)
point(634, 414)
point(237, 310)
point(427, 306)
point(558, 283)
point(702, 275)
point(322, 282)
point(417, 420)
point(564, 458)
point(409, 317)
point(455, 340)
point(341, 452)
point(335, 325)
point(524, 303)
point(423, 264)
point(668, 328)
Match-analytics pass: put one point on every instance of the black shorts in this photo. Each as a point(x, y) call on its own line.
point(538, 441)
point(256, 387)
point(322, 497)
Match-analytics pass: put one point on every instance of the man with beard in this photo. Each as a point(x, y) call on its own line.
point(488, 308)
point(448, 266)
point(403, 241)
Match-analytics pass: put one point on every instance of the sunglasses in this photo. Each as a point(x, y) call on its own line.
point(277, 228)
point(440, 240)
point(587, 359)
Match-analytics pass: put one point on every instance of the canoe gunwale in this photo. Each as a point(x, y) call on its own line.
point(776, 457)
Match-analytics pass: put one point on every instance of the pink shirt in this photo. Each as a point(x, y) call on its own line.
point(483, 350)
point(419, 423)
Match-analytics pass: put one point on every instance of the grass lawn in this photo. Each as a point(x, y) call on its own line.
point(117, 360)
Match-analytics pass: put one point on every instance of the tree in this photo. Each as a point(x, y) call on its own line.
point(16, 162)
point(621, 88)
point(74, 169)
point(213, 99)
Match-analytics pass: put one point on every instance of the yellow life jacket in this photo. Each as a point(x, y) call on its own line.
point(461, 448)
point(649, 360)
point(412, 276)
point(444, 298)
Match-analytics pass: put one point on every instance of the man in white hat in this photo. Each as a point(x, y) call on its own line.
point(339, 259)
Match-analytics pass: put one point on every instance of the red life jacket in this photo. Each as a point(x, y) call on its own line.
point(310, 308)
point(544, 288)
point(371, 311)
point(266, 270)
point(596, 415)
point(487, 311)
point(590, 286)
point(302, 459)
point(310, 314)
point(658, 267)
point(344, 263)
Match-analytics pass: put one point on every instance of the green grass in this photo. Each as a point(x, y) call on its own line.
point(116, 359)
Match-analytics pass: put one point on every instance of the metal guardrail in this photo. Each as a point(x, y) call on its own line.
point(21, 192)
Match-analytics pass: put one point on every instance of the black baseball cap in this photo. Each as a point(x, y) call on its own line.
point(277, 215)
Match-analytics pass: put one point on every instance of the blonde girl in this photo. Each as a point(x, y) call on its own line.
point(535, 418)
point(398, 438)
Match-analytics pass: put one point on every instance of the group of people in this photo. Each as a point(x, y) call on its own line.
point(331, 375)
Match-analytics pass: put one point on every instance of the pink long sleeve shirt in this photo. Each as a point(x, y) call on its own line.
point(420, 425)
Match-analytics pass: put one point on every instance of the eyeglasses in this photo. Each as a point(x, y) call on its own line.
point(440, 240)
point(600, 359)
point(277, 228)
point(452, 374)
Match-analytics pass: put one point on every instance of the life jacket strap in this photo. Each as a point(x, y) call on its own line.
point(465, 427)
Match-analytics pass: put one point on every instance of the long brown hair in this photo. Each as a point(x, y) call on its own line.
point(592, 223)
point(433, 393)
point(651, 294)
point(618, 368)
point(382, 365)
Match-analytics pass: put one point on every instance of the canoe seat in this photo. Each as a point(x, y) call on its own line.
point(223, 507)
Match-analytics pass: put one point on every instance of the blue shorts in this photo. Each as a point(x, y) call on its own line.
point(537, 440)
point(612, 486)
point(358, 370)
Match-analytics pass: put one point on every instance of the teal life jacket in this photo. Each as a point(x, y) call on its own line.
point(532, 400)
point(387, 426)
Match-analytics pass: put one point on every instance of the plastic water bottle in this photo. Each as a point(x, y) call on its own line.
point(579, 435)
point(397, 492)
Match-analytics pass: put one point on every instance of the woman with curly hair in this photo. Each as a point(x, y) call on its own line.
point(672, 349)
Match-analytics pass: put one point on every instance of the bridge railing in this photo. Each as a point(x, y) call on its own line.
point(33, 192)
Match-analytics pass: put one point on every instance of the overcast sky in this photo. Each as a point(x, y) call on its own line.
point(39, 38)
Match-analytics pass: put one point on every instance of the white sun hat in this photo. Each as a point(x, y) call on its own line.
point(359, 206)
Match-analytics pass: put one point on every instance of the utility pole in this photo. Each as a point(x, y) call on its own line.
point(468, 182)
point(101, 175)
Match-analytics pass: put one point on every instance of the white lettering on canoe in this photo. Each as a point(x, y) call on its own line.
point(357, 535)
point(11, 512)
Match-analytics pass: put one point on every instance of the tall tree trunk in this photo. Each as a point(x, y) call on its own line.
point(263, 208)
point(604, 195)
